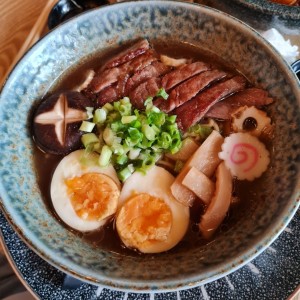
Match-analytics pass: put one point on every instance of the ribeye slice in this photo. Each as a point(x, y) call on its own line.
point(142, 61)
point(194, 110)
point(113, 92)
point(105, 78)
point(128, 54)
point(183, 73)
point(250, 97)
point(146, 89)
point(189, 89)
point(156, 69)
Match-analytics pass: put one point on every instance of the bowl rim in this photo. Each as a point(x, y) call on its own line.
point(165, 285)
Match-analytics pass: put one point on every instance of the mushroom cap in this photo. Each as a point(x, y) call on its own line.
point(56, 122)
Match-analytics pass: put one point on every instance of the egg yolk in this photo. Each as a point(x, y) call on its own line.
point(93, 196)
point(143, 220)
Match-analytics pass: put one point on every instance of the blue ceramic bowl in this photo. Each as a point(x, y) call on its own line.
point(79, 39)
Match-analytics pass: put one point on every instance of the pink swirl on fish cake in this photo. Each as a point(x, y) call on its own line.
point(239, 155)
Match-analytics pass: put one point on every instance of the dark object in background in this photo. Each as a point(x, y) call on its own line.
point(66, 9)
point(296, 68)
point(9, 283)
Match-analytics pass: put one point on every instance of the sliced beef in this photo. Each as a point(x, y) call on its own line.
point(104, 79)
point(194, 110)
point(143, 61)
point(189, 89)
point(128, 54)
point(109, 76)
point(250, 97)
point(107, 95)
point(183, 73)
point(156, 69)
point(113, 92)
point(146, 89)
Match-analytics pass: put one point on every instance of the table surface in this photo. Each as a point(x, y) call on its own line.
point(19, 16)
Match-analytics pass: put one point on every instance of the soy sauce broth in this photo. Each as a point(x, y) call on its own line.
point(106, 237)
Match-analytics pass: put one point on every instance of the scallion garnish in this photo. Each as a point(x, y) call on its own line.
point(89, 112)
point(100, 115)
point(105, 155)
point(87, 126)
point(132, 139)
point(89, 138)
point(162, 93)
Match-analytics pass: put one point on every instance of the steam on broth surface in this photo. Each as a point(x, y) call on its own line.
point(211, 101)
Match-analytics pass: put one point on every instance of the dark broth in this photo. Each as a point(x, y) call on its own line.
point(107, 237)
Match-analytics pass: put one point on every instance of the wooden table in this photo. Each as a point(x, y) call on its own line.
point(17, 18)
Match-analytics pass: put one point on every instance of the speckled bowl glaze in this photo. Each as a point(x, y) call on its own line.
point(271, 8)
point(94, 31)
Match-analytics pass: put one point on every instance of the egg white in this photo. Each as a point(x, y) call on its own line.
point(69, 167)
point(156, 182)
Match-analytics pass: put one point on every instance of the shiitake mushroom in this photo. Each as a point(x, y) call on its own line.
point(56, 122)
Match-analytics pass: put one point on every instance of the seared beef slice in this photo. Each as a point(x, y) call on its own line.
point(194, 110)
point(189, 89)
point(250, 97)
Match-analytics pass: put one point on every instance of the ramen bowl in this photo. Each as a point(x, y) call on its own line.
point(81, 38)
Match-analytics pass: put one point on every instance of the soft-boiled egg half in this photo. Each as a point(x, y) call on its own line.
point(149, 218)
point(83, 194)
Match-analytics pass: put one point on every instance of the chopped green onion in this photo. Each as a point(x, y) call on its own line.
point(145, 143)
point(199, 131)
point(149, 132)
point(105, 156)
point(118, 149)
point(89, 112)
point(155, 109)
point(134, 153)
point(131, 168)
point(128, 119)
point(135, 134)
point(147, 161)
point(108, 136)
point(125, 109)
point(157, 118)
point(117, 126)
point(100, 115)
point(112, 116)
point(144, 154)
point(89, 148)
point(97, 147)
point(172, 129)
point(121, 159)
point(125, 100)
point(162, 93)
point(136, 124)
point(171, 119)
point(148, 101)
point(129, 138)
point(108, 107)
point(87, 126)
point(155, 128)
point(89, 138)
point(131, 143)
point(124, 174)
point(165, 140)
